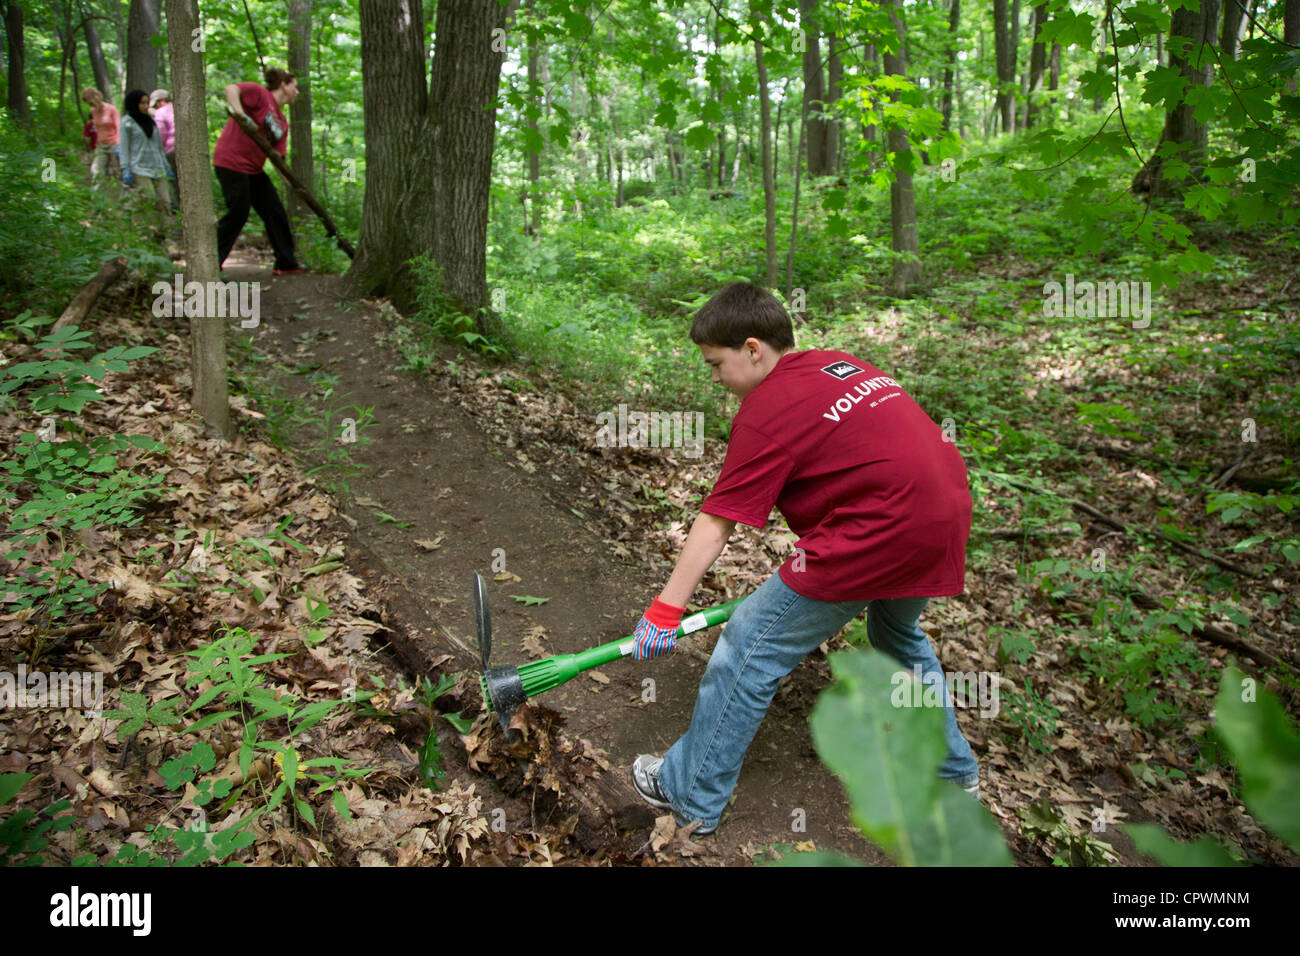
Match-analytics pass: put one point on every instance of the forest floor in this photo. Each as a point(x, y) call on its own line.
point(467, 466)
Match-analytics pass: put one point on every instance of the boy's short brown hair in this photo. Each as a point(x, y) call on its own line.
point(741, 310)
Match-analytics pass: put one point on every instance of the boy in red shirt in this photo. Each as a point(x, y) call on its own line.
point(239, 161)
point(882, 508)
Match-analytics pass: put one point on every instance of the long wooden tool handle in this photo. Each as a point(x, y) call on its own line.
point(256, 135)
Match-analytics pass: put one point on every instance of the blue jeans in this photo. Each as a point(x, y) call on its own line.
point(766, 638)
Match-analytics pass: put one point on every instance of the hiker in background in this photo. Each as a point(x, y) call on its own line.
point(239, 161)
point(160, 107)
point(105, 117)
point(142, 158)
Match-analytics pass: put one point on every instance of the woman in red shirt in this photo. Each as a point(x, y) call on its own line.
point(106, 118)
point(239, 161)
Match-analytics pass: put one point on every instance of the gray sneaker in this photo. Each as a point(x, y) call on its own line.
point(645, 777)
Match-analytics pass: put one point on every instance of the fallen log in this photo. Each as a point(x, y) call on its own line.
point(256, 135)
point(76, 311)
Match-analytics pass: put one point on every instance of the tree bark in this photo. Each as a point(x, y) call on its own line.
point(97, 63)
point(1037, 65)
point(141, 55)
point(534, 213)
point(77, 309)
point(814, 91)
point(17, 100)
point(300, 134)
point(194, 174)
point(834, 78)
point(1193, 36)
point(1230, 39)
point(950, 67)
point(902, 200)
point(442, 209)
point(769, 183)
point(1291, 35)
point(1002, 58)
point(395, 101)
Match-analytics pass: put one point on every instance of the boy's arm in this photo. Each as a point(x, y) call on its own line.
point(705, 542)
point(656, 631)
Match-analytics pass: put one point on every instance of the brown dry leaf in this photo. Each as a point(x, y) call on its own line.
point(506, 576)
point(805, 846)
point(532, 642)
point(426, 544)
point(663, 832)
point(598, 677)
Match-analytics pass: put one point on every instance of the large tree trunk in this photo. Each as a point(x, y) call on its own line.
point(141, 55)
point(1002, 56)
point(17, 100)
point(300, 134)
point(1194, 57)
point(442, 211)
point(194, 172)
point(769, 183)
point(814, 91)
point(1013, 54)
point(950, 67)
point(97, 62)
point(1037, 66)
point(902, 199)
point(395, 101)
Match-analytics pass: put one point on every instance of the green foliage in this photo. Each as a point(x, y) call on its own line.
point(887, 757)
point(22, 835)
point(1034, 714)
point(1070, 846)
point(1265, 750)
point(53, 487)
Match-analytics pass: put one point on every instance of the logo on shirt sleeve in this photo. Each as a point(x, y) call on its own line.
point(842, 370)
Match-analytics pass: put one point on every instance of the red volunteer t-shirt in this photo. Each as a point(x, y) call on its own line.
point(235, 148)
point(879, 500)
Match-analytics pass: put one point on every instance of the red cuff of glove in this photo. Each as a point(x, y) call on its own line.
point(664, 615)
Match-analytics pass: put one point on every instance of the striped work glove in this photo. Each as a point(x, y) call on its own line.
point(656, 634)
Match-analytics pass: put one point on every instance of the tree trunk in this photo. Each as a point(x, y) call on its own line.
point(1054, 68)
point(814, 90)
point(769, 184)
point(1037, 65)
point(17, 100)
point(902, 200)
point(1230, 40)
point(194, 174)
point(1002, 57)
point(834, 78)
point(395, 100)
point(141, 55)
point(533, 219)
point(1291, 35)
point(97, 62)
point(442, 211)
point(300, 134)
point(1013, 52)
point(1194, 57)
point(950, 67)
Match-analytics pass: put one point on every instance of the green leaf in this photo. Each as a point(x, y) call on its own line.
point(10, 784)
point(1265, 750)
point(341, 805)
point(527, 600)
point(462, 724)
point(817, 858)
point(887, 756)
point(1153, 841)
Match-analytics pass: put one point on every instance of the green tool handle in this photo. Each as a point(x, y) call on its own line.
point(624, 645)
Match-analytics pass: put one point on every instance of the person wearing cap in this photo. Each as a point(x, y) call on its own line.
point(160, 108)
